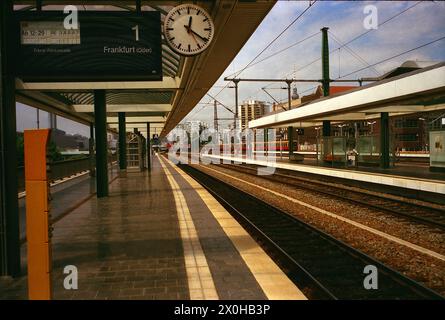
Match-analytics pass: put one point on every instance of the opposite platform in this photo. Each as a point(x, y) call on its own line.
point(371, 176)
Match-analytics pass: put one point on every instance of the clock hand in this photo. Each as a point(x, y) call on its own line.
point(194, 38)
point(202, 38)
point(190, 24)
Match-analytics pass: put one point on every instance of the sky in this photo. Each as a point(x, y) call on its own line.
point(419, 25)
point(27, 119)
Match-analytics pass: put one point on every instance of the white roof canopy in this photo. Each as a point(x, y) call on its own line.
point(418, 91)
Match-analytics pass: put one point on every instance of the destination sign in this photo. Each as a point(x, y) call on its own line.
point(47, 32)
point(106, 46)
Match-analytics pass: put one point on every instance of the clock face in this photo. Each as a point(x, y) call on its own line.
point(188, 29)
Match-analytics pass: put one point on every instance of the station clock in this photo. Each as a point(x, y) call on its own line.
point(188, 29)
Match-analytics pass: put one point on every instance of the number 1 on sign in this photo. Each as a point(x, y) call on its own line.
point(136, 30)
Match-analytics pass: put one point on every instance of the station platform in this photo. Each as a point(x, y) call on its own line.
point(405, 176)
point(159, 235)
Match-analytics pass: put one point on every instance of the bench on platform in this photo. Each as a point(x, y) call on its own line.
point(296, 157)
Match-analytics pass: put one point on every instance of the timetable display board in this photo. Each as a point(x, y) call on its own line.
point(107, 46)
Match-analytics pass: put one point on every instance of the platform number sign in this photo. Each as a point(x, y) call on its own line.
point(107, 46)
point(136, 31)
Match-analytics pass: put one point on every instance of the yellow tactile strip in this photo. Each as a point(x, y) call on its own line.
point(274, 283)
point(200, 281)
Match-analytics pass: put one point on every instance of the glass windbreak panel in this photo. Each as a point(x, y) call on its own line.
point(394, 155)
point(437, 149)
point(368, 148)
point(326, 149)
point(333, 149)
point(339, 146)
point(319, 148)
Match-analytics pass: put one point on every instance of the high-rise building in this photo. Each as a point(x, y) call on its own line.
point(250, 110)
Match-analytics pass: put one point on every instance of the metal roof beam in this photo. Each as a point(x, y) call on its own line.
point(126, 107)
point(167, 83)
point(136, 119)
point(150, 3)
point(141, 126)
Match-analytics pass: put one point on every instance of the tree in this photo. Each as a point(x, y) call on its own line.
point(20, 150)
point(54, 152)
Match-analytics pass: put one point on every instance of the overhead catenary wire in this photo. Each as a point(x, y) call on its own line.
point(318, 59)
point(357, 37)
point(395, 56)
point(352, 52)
point(348, 42)
point(270, 43)
point(277, 37)
point(386, 21)
point(385, 60)
point(275, 53)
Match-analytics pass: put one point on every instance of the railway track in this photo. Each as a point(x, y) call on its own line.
point(426, 215)
point(322, 266)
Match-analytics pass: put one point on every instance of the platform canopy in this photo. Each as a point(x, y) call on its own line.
point(422, 90)
point(185, 79)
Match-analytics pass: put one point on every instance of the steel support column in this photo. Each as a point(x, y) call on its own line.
point(122, 142)
point(290, 139)
point(326, 128)
point(289, 96)
point(100, 120)
point(215, 115)
point(148, 147)
point(325, 83)
point(384, 140)
point(325, 61)
point(236, 104)
point(9, 217)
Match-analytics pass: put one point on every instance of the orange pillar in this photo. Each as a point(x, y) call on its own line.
point(37, 215)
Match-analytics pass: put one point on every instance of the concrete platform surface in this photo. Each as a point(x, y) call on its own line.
point(159, 235)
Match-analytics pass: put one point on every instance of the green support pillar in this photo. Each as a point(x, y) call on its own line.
point(148, 147)
point(326, 128)
point(290, 139)
point(325, 82)
point(143, 151)
point(384, 140)
point(100, 119)
point(9, 217)
point(91, 151)
point(325, 75)
point(122, 142)
point(325, 61)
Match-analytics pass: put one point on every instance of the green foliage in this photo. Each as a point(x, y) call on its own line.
point(53, 152)
point(20, 150)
